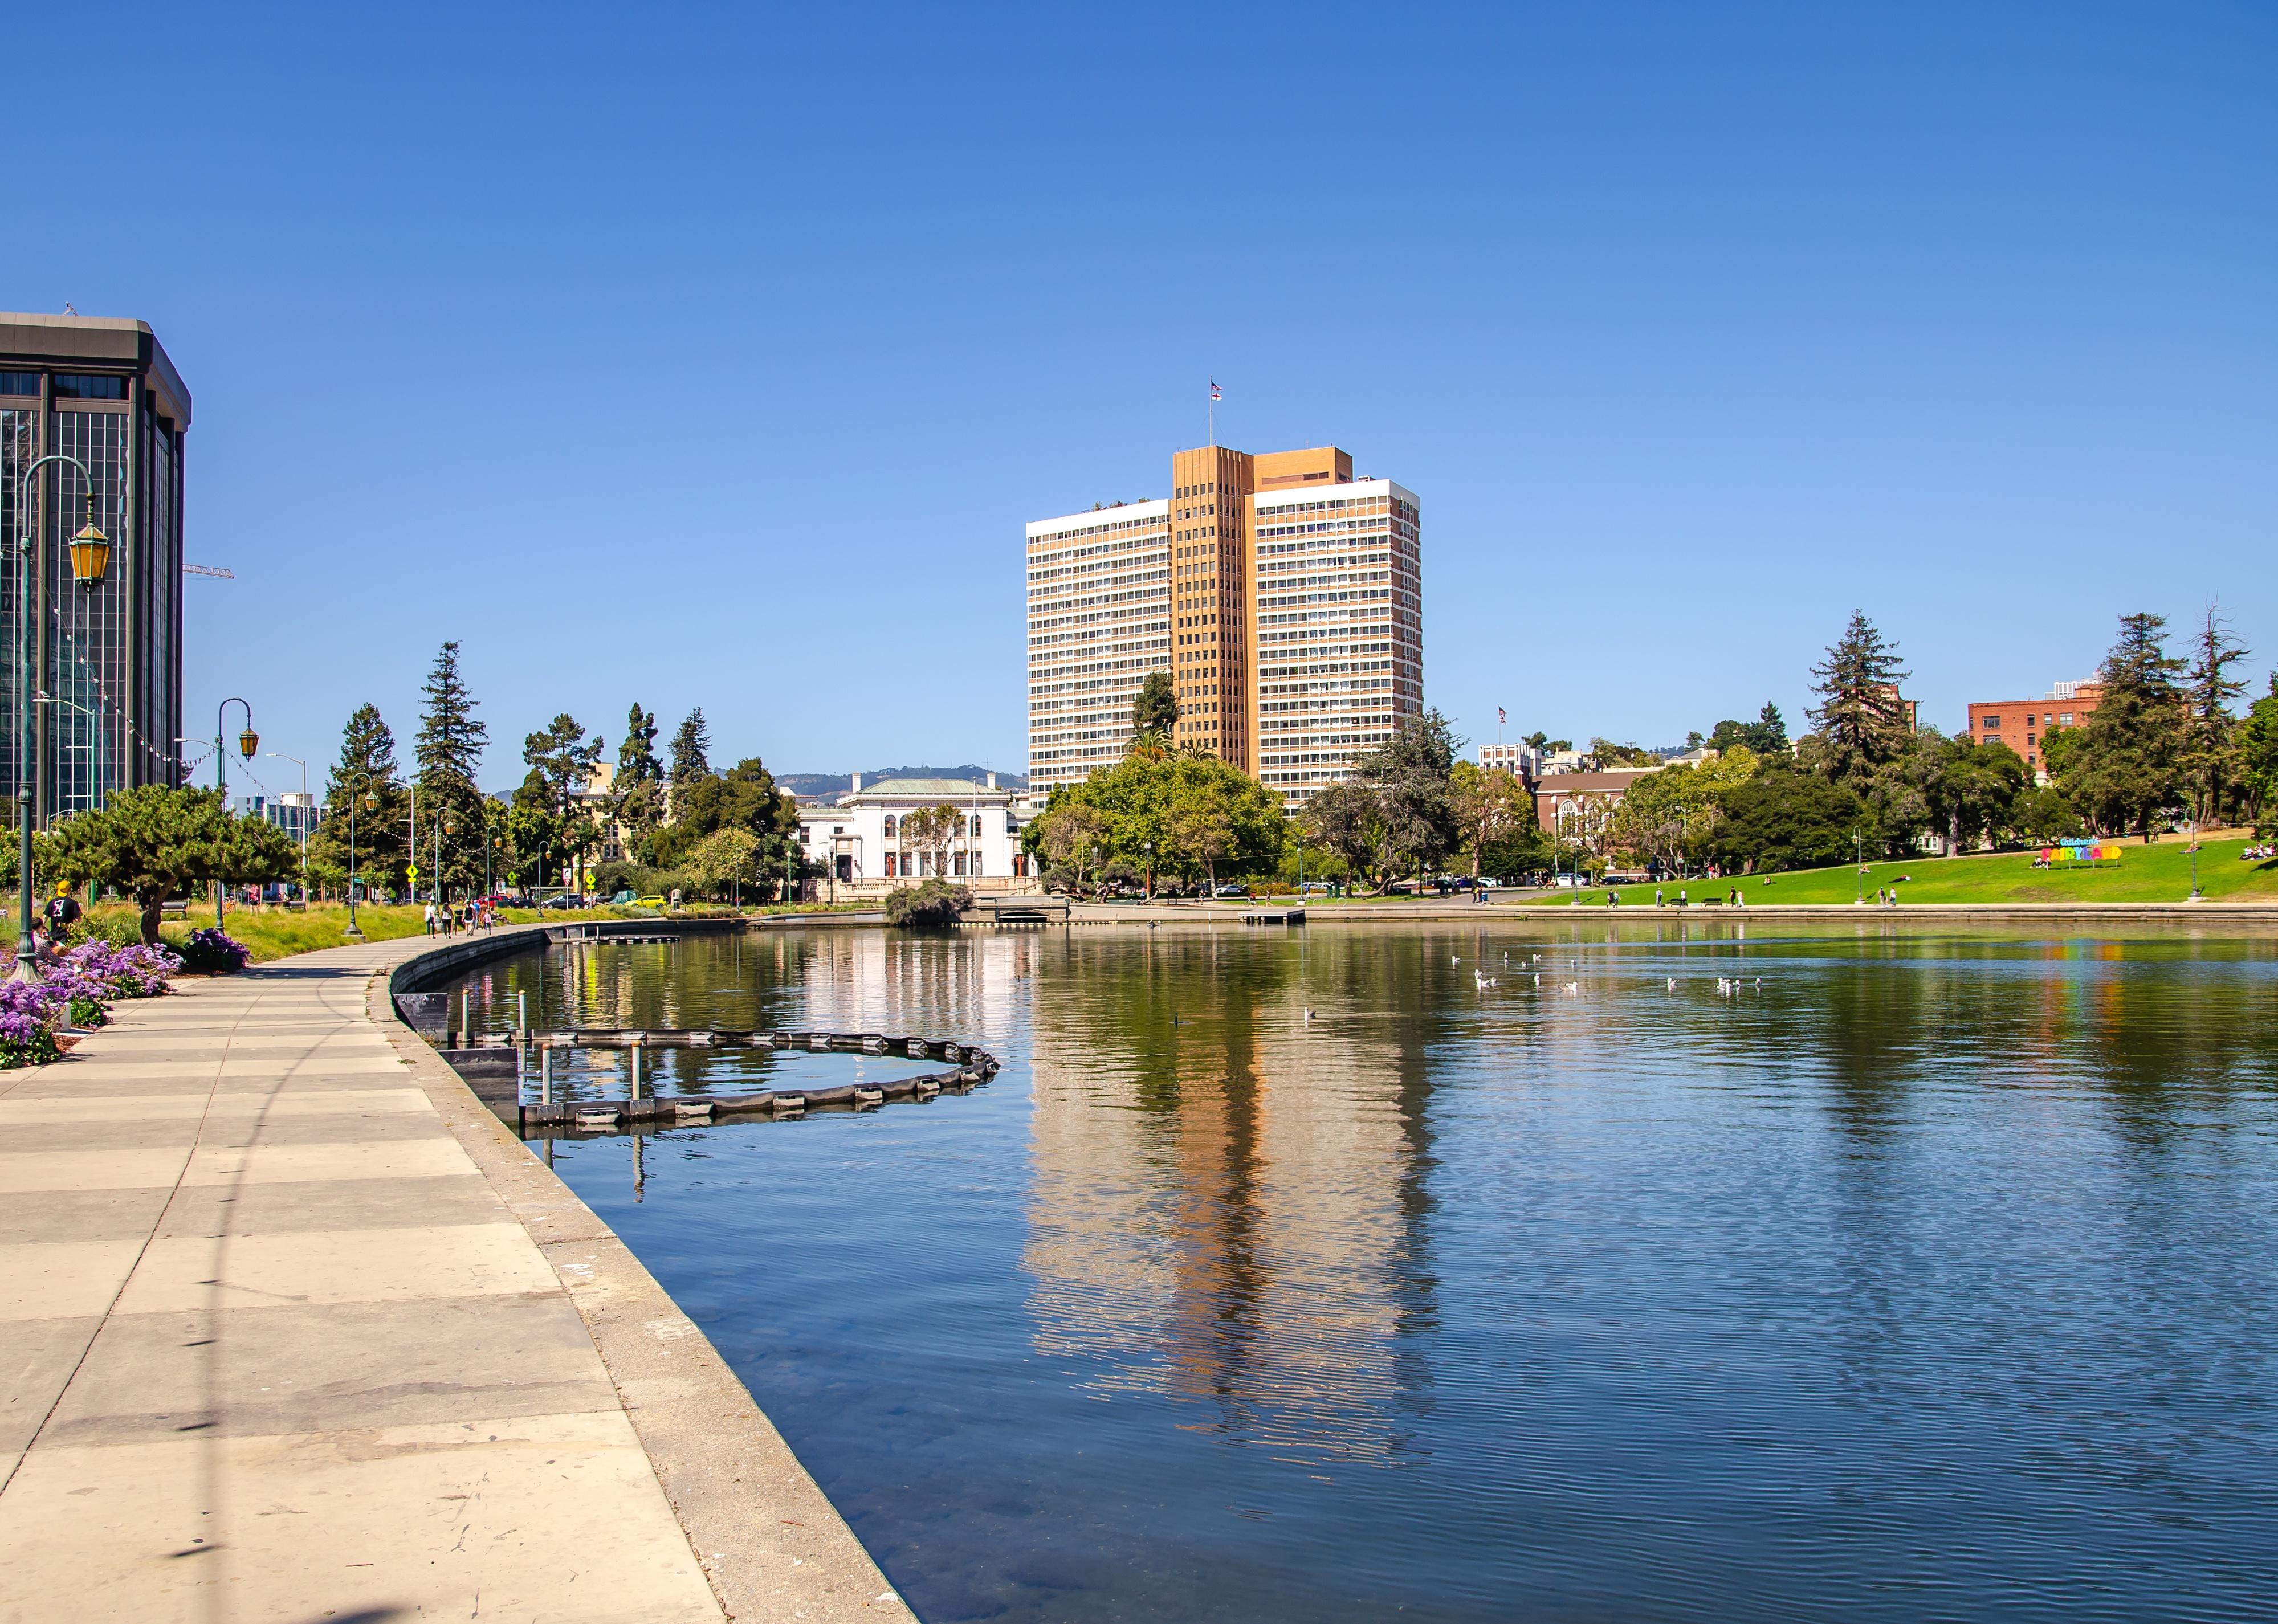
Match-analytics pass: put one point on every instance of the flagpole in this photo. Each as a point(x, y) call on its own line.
point(1210, 409)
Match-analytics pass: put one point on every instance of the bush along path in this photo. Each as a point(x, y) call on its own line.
point(40, 1020)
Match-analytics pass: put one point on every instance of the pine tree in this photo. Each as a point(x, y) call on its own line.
point(1156, 710)
point(562, 759)
point(366, 771)
point(2210, 757)
point(2125, 764)
point(690, 743)
point(1861, 718)
point(639, 786)
point(449, 751)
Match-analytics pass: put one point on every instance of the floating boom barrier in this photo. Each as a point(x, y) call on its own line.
point(497, 1065)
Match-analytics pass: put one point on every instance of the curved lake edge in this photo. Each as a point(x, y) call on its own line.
point(749, 1508)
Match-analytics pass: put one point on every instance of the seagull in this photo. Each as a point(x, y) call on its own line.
point(1672, 984)
point(1573, 986)
point(1455, 958)
point(1309, 1015)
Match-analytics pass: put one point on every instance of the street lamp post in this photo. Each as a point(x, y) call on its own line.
point(2196, 894)
point(353, 931)
point(1858, 856)
point(90, 555)
point(248, 741)
point(305, 810)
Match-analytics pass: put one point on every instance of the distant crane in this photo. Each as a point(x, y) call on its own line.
point(208, 569)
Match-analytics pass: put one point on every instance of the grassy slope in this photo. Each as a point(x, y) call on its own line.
point(2144, 875)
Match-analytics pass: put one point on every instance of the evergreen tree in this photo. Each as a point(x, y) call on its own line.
point(1768, 737)
point(1156, 710)
point(366, 770)
point(562, 759)
point(691, 741)
point(1861, 718)
point(2258, 752)
point(639, 785)
point(2210, 757)
point(449, 751)
point(2125, 763)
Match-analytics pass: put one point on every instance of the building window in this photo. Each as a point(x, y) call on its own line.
point(90, 386)
point(1992, 724)
point(19, 383)
point(889, 825)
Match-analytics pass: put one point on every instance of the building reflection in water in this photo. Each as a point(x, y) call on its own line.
point(1224, 1204)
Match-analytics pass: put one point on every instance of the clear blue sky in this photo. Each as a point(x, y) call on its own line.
point(719, 359)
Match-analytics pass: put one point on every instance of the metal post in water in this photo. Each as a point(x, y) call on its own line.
point(637, 1049)
point(522, 1018)
point(546, 1074)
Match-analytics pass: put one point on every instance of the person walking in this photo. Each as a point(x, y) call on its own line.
point(429, 918)
point(1657, 897)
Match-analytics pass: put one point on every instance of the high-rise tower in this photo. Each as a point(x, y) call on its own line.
point(107, 659)
point(1283, 596)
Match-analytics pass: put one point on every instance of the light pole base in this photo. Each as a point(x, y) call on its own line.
point(26, 971)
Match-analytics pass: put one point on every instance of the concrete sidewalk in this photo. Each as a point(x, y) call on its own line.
point(293, 1329)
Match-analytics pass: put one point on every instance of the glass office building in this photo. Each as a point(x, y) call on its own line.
point(106, 664)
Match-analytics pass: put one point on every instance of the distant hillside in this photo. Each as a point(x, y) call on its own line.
point(839, 783)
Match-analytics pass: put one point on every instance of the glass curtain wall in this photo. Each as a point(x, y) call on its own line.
point(88, 629)
point(158, 576)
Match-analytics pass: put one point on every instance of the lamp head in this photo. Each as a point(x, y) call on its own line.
point(248, 741)
point(90, 550)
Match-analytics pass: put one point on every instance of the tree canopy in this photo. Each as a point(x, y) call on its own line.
point(153, 840)
point(2125, 763)
point(1156, 709)
point(1861, 718)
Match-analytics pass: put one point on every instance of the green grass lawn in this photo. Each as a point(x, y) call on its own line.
point(2160, 872)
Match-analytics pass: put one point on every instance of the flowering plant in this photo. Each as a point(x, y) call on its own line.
point(136, 972)
point(27, 1015)
point(214, 950)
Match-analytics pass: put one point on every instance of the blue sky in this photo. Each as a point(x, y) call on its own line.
point(716, 358)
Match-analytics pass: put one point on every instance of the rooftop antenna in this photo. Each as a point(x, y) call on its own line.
point(67, 308)
point(208, 569)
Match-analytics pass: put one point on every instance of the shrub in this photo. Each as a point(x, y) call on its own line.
point(28, 1011)
point(215, 952)
point(135, 971)
point(118, 927)
point(934, 901)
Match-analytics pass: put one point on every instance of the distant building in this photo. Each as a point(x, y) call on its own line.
point(1563, 797)
point(2021, 724)
point(860, 838)
point(1521, 760)
point(107, 659)
point(1282, 595)
point(295, 813)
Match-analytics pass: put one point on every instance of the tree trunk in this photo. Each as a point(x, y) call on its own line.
point(154, 905)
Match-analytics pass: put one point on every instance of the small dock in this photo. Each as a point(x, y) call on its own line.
point(501, 1071)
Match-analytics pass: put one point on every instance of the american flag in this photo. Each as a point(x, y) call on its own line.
point(1215, 395)
point(1501, 717)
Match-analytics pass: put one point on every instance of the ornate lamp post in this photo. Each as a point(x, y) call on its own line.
point(90, 553)
point(355, 932)
point(248, 744)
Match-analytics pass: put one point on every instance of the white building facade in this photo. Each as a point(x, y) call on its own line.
point(863, 840)
point(1338, 619)
point(1100, 621)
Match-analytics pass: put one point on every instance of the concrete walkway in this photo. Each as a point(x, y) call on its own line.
point(293, 1329)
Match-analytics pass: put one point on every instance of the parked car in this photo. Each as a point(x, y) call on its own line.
point(1228, 890)
point(568, 899)
point(649, 902)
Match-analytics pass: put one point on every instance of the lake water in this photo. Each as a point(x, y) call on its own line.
point(1911, 1277)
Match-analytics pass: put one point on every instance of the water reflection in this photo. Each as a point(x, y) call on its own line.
point(1227, 1198)
point(1898, 1277)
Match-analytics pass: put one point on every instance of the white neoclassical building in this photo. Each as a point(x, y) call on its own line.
point(860, 837)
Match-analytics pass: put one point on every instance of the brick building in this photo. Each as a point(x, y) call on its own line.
point(2021, 724)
